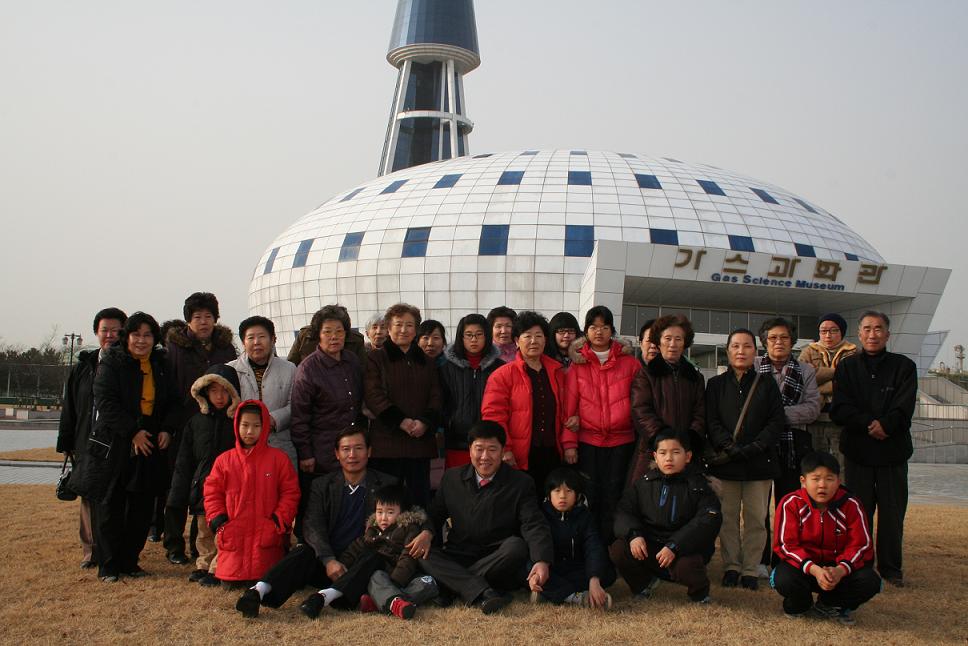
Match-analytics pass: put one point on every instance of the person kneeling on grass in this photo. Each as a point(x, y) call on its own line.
point(380, 561)
point(581, 570)
point(824, 544)
point(251, 497)
point(667, 522)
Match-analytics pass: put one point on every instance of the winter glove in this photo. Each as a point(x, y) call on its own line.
point(216, 523)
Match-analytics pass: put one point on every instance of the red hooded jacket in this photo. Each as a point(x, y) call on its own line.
point(507, 401)
point(839, 535)
point(601, 395)
point(251, 497)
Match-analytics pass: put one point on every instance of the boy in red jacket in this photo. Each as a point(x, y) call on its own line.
point(824, 544)
point(251, 497)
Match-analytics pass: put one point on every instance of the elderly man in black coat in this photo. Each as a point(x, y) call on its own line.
point(496, 526)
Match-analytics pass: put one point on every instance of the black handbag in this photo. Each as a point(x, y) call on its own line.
point(64, 491)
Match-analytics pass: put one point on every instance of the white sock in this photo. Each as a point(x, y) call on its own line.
point(330, 595)
point(262, 588)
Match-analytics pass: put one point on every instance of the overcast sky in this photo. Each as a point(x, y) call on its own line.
point(151, 150)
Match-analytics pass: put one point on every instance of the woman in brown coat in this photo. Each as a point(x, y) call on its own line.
point(668, 392)
point(400, 388)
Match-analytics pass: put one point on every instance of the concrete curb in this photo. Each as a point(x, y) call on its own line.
point(26, 463)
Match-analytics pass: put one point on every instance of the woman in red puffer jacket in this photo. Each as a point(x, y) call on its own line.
point(251, 497)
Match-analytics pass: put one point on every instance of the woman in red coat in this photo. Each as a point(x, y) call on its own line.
point(251, 497)
point(526, 397)
point(598, 406)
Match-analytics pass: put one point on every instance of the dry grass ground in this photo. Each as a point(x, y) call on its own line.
point(33, 455)
point(47, 599)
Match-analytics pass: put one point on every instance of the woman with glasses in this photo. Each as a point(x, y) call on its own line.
point(469, 362)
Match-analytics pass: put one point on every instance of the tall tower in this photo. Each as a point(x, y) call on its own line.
point(434, 43)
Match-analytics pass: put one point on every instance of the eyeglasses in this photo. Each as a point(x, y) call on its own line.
point(833, 330)
point(599, 328)
point(473, 336)
point(777, 339)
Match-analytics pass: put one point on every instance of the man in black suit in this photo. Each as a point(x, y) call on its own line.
point(496, 527)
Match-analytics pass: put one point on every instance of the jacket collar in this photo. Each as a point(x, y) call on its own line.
point(489, 357)
point(330, 362)
point(659, 367)
point(839, 498)
point(499, 476)
point(394, 353)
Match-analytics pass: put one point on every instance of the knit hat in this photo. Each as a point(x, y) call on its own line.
point(838, 320)
point(564, 320)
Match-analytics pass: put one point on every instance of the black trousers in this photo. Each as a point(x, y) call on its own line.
point(570, 577)
point(884, 489)
point(687, 569)
point(542, 460)
point(412, 472)
point(468, 573)
point(120, 530)
point(296, 570)
point(605, 468)
point(797, 588)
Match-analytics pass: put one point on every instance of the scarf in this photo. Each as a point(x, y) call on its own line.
point(790, 392)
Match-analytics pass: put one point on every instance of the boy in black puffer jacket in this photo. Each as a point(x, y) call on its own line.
point(208, 434)
point(581, 570)
point(667, 522)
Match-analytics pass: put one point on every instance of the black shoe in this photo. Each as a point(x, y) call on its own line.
point(248, 604)
point(730, 579)
point(896, 581)
point(135, 573)
point(491, 601)
point(444, 599)
point(87, 565)
point(313, 605)
point(193, 554)
point(154, 538)
point(209, 581)
point(197, 575)
point(750, 583)
point(177, 559)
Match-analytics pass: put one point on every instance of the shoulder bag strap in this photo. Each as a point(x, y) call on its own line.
point(746, 406)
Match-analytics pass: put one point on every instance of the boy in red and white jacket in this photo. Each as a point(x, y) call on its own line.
point(824, 545)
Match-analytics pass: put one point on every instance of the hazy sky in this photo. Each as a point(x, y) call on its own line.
point(151, 150)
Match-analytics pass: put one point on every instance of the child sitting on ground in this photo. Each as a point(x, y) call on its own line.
point(251, 497)
point(208, 434)
point(666, 523)
point(381, 562)
point(581, 570)
point(824, 544)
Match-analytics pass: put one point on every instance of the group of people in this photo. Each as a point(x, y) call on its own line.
point(569, 459)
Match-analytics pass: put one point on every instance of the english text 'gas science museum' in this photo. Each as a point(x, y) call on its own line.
point(563, 230)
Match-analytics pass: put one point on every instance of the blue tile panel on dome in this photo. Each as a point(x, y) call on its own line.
point(537, 194)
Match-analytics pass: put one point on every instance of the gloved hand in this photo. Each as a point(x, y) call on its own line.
point(750, 450)
point(735, 452)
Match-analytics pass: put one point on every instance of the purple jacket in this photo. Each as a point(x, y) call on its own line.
point(327, 396)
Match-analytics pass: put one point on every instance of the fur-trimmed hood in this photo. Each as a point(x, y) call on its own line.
point(487, 358)
point(575, 349)
point(414, 516)
point(179, 335)
point(226, 377)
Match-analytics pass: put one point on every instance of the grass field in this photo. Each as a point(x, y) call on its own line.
point(47, 599)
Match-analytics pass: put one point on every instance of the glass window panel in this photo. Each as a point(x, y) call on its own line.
point(741, 243)
point(392, 188)
point(628, 321)
point(494, 240)
point(351, 194)
point(700, 321)
point(415, 242)
point(579, 240)
point(447, 181)
point(763, 195)
point(664, 236)
point(302, 253)
point(510, 177)
point(271, 260)
point(719, 322)
point(738, 320)
point(579, 178)
point(711, 187)
point(647, 181)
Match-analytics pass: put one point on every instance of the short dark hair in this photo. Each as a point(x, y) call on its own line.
point(200, 301)
point(332, 312)
point(666, 434)
point(813, 461)
point(501, 311)
point(134, 323)
point(602, 312)
point(564, 476)
point(779, 321)
point(527, 320)
point(250, 408)
point(427, 328)
point(394, 495)
point(258, 321)
point(487, 430)
point(401, 309)
point(646, 327)
point(350, 431)
point(663, 323)
point(168, 326)
point(740, 330)
point(111, 313)
point(880, 315)
point(472, 319)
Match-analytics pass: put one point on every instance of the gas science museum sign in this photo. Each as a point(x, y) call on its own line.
point(788, 272)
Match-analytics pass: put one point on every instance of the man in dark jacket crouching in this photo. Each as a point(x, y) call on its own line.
point(495, 528)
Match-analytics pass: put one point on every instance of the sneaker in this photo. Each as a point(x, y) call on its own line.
point(209, 581)
point(584, 600)
point(846, 617)
point(796, 615)
point(750, 583)
point(248, 604)
point(313, 605)
point(87, 565)
point(730, 579)
point(367, 604)
point(705, 601)
point(154, 537)
point(399, 607)
point(762, 571)
point(197, 575)
point(177, 559)
point(824, 611)
point(649, 589)
point(109, 578)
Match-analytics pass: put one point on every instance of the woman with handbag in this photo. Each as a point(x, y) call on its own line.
point(744, 419)
point(137, 409)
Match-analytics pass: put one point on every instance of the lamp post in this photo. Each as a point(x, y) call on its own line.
point(71, 338)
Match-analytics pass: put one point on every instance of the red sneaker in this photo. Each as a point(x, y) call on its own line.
point(402, 609)
point(367, 604)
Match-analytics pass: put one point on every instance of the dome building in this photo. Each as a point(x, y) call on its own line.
point(564, 230)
